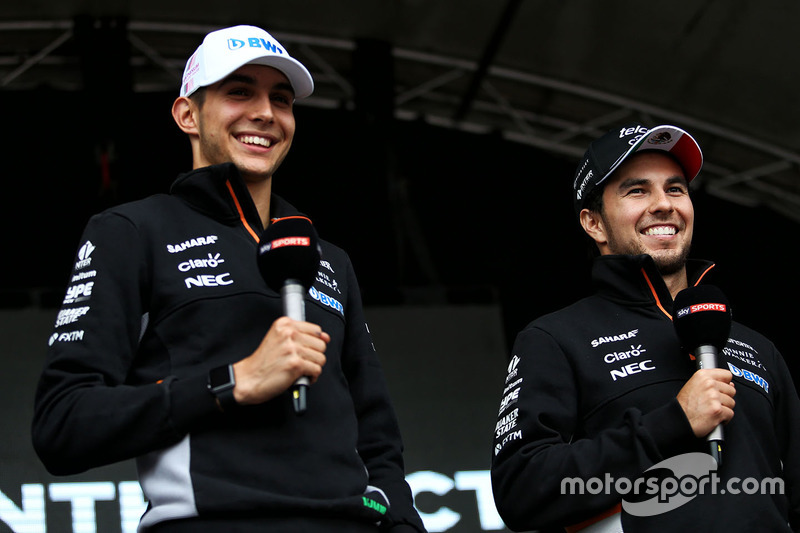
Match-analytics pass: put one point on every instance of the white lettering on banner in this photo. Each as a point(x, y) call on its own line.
point(82, 496)
point(445, 518)
point(31, 515)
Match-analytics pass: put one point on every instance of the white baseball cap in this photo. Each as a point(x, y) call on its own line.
point(223, 51)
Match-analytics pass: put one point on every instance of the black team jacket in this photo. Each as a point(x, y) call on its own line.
point(165, 289)
point(591, 396)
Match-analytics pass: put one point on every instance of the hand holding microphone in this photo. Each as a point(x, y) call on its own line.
point(288, 258)
point(702, 319)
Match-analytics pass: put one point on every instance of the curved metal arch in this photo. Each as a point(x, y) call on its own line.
point(430, 87)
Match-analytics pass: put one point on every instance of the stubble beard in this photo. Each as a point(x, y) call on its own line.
point(667, 262)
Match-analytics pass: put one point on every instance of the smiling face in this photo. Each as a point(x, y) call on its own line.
point(646, 210)
point(246, 119)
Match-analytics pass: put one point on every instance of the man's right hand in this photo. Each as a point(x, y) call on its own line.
point(707, 399)
point(290, 349)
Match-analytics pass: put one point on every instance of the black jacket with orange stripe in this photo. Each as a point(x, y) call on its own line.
point(165, 289)
point(589, 404)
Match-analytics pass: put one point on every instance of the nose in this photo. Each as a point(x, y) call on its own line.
point(662, 203)
point(262, 110)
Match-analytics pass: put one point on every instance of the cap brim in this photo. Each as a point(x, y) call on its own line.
point(299, 78)
point(298, 75)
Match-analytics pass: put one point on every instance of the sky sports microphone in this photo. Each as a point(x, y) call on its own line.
point(702, 317)
point(288, 259)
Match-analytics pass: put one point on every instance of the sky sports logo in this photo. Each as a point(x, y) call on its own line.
point(670, 484)
point(288, 241)
point(698, 308)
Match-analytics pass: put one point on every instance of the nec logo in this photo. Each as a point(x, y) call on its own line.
point(633, 368)
point(253, 42)
point(207, 280)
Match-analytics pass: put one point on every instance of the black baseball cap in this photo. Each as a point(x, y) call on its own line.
point(608, 152)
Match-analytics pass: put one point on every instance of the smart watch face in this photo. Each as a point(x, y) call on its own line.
point(221, 382)
point(220, 379)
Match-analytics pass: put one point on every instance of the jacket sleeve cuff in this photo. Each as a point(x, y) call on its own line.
point(191, 401)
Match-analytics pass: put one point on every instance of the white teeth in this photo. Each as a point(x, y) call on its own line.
point(660, 230)
point(252, 139)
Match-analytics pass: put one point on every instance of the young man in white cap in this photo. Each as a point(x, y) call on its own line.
point(601, 392)
point(172, 349)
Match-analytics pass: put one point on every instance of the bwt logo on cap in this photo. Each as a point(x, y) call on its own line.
point(253, 42)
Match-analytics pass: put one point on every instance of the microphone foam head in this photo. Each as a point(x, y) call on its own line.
point(289, 249)
point(702, 317)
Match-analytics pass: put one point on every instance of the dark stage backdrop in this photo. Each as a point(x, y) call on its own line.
point(479, 226)
point(445, 368)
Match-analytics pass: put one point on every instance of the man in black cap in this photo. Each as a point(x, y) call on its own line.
point(170, 348)
point(602, 391)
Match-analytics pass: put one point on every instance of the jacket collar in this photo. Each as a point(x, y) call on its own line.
point(219, 192)
point(635, 280)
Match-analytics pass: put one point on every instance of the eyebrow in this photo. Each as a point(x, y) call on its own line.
point(633, 182)
point(250, 80)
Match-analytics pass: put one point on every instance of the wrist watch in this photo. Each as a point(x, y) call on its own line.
point(220, 384)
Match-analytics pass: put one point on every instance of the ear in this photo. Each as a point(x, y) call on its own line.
point(185, 113)
point(594, 226)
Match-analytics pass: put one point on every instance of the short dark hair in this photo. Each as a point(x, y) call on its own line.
point(594, 200)
point(198, 96)
point(594, 203)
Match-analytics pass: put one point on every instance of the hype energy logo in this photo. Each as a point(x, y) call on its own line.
point(254, 42)
point(670, 484)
